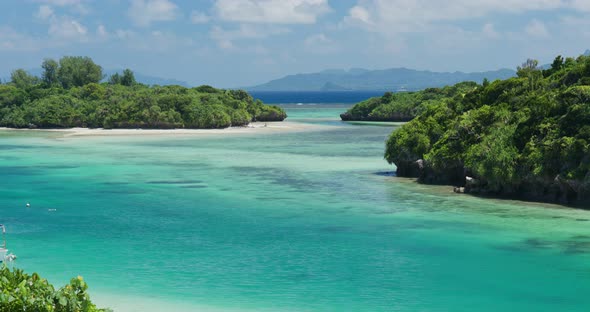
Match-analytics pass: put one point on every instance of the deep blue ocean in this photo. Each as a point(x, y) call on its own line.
point(306, 97)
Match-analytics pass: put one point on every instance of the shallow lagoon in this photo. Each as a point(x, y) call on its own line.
point(308, 221)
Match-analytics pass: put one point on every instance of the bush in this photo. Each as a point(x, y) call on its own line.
point(403, 106)
point(23, 292)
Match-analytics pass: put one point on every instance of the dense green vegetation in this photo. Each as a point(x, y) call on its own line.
point(70, 94)
point(526, 137)
point(403, 106)
point(23, 292)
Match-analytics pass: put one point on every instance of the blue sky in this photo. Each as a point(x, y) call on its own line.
point(229, 43)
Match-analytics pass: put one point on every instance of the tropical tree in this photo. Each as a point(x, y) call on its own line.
point(21, 79)
point(115, 79)
point(128, 78)
point(50, 69)
point(76, 71)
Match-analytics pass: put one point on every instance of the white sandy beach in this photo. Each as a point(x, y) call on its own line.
point(132, 303)
point(252, 128)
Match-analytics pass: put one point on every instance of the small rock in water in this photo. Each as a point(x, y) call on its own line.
point(459, 190)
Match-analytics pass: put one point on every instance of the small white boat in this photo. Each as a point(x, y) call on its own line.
point(4, 255)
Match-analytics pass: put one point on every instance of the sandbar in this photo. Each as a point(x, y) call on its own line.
point(252, 128)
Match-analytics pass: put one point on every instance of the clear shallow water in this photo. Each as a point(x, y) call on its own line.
point(284, 222)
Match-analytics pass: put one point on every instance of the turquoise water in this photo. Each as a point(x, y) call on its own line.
point(308, 221)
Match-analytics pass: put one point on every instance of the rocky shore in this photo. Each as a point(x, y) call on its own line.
point(556, 190)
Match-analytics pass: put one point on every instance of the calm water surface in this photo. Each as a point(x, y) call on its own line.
point(279, 222)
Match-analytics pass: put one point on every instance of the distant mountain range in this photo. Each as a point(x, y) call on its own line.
point(394, 79)
point(139, 77)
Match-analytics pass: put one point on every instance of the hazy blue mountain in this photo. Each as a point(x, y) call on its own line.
point(587, 53)
point(363, 80)
point(142, 78)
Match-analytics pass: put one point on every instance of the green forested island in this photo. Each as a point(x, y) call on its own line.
point(403, 106)
point(70, 94)
point(524, 137)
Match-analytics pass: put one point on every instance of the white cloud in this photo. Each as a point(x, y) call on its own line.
point(124, 34)
point(320, 44)
point(63, 27)
point(271, 11)
point(77, 5)
point(199, 18)
point(66, 28)
point(489, 31)
point(61, 2)
point(145, 12)
point(225, 38)
point(154, 41)
point(101, 31)
point(583, 5)
point(536, 29)
point(582, 24)
point(44, 12)
point(316, 39)
point(11, 40)
point(361, 14)
point(402, 16)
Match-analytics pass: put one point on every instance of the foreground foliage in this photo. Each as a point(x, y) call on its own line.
point(23, 292)
point(403, 106)
point(526, 136)
point(69, 94)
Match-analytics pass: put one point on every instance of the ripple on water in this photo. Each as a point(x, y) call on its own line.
point(121, 191)
point(175, 182)
point(336, 229)
point(115, 183)
point(20, 170)
point(577, 244)
point(194, 186)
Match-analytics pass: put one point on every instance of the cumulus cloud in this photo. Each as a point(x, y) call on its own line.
point(63, 27)
point(67, 28)
point(413, 16)
point(271, 11)
point(145, 12)
point(360, 14)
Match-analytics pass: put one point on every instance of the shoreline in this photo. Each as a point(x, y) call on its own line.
point(138, 303)
point(252, 128)
point(449, 189)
